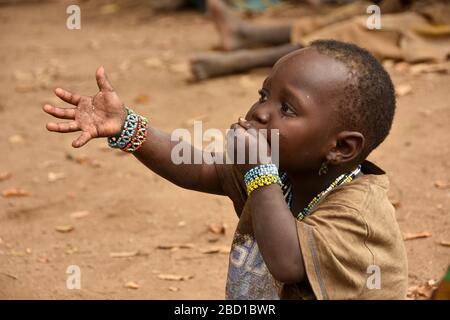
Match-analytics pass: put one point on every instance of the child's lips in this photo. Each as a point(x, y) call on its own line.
point(248, 125)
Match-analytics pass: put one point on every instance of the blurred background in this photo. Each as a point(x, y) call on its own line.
point(133, 234)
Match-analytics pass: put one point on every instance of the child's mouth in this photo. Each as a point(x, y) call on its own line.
point(248, 125)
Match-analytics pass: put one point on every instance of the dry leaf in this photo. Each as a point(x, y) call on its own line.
point(181, 223)
point(64, 228)
point(5, 175)
point(15, 192)
point(422, 291)
point(440, 184)
point(125, 254)
point(54, 176)
point(165, 246)
point(70, 249)
point(217, 228)
point(210, 250)
point(83, 159)
point(10, 275)
point(395, 203)
point(141, 99)
point(153, 63)
point(402, 90)
point(186, 246)
point(18, 253)
point(131, 285)
point(43, 260)
point(174, 277)
point(445, 243)
point(175, 246)
point(216, 249)
point(79, 214)
point(174, 289)
point(417, 235)
point(16, 139)
point(95, 164)
point(71, 195)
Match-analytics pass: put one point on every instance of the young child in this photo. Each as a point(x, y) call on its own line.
point(322, 226)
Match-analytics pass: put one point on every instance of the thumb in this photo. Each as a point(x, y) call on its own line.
point(102, 81)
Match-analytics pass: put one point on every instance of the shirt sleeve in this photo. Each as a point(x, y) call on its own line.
point(336, 258)
point(232, 182)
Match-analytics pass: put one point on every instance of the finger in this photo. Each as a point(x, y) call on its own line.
point(81, 140)
point(244, 123)
point(63, 127)
point(102, 81)
point(236, 127)
point(67, 96)
point(61, 113)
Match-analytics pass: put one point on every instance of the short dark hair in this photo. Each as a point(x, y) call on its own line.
point(368, 103)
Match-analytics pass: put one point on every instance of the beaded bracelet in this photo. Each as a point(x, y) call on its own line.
point(262, 175)
point(133, 135)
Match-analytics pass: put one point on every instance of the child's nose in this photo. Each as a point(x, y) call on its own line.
point(261, 115)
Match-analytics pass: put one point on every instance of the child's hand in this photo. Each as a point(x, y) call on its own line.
point(102, 115)
point(254, 143)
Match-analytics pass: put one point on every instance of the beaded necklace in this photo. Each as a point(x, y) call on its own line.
point(287, 190)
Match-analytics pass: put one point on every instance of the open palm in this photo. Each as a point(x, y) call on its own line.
point(102, 115)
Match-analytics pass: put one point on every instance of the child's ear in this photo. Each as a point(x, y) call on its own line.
point(349, 146)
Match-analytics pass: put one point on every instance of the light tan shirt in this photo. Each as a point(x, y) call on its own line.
point(351, 245)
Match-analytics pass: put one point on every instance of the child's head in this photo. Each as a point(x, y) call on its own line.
point(331, 101)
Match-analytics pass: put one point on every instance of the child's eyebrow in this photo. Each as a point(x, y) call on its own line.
point(296, 95)
point(266, 82)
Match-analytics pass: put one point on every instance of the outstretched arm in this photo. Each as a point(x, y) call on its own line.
point(156, 155)
point(103, 115)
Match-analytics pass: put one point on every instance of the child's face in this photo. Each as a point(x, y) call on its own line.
point(299, 98)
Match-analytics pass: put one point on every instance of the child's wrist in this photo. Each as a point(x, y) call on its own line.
point(133, 134)
point(260, 176)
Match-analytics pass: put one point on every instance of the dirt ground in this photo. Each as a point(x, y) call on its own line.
point(131, 211)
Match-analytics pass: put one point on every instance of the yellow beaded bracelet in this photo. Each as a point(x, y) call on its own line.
point(260, 181)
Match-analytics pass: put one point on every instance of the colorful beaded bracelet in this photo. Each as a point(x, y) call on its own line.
point(262, 175)
point(133, 135)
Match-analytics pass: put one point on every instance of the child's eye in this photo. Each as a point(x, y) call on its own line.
point(285, 108)
point(262, 96)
